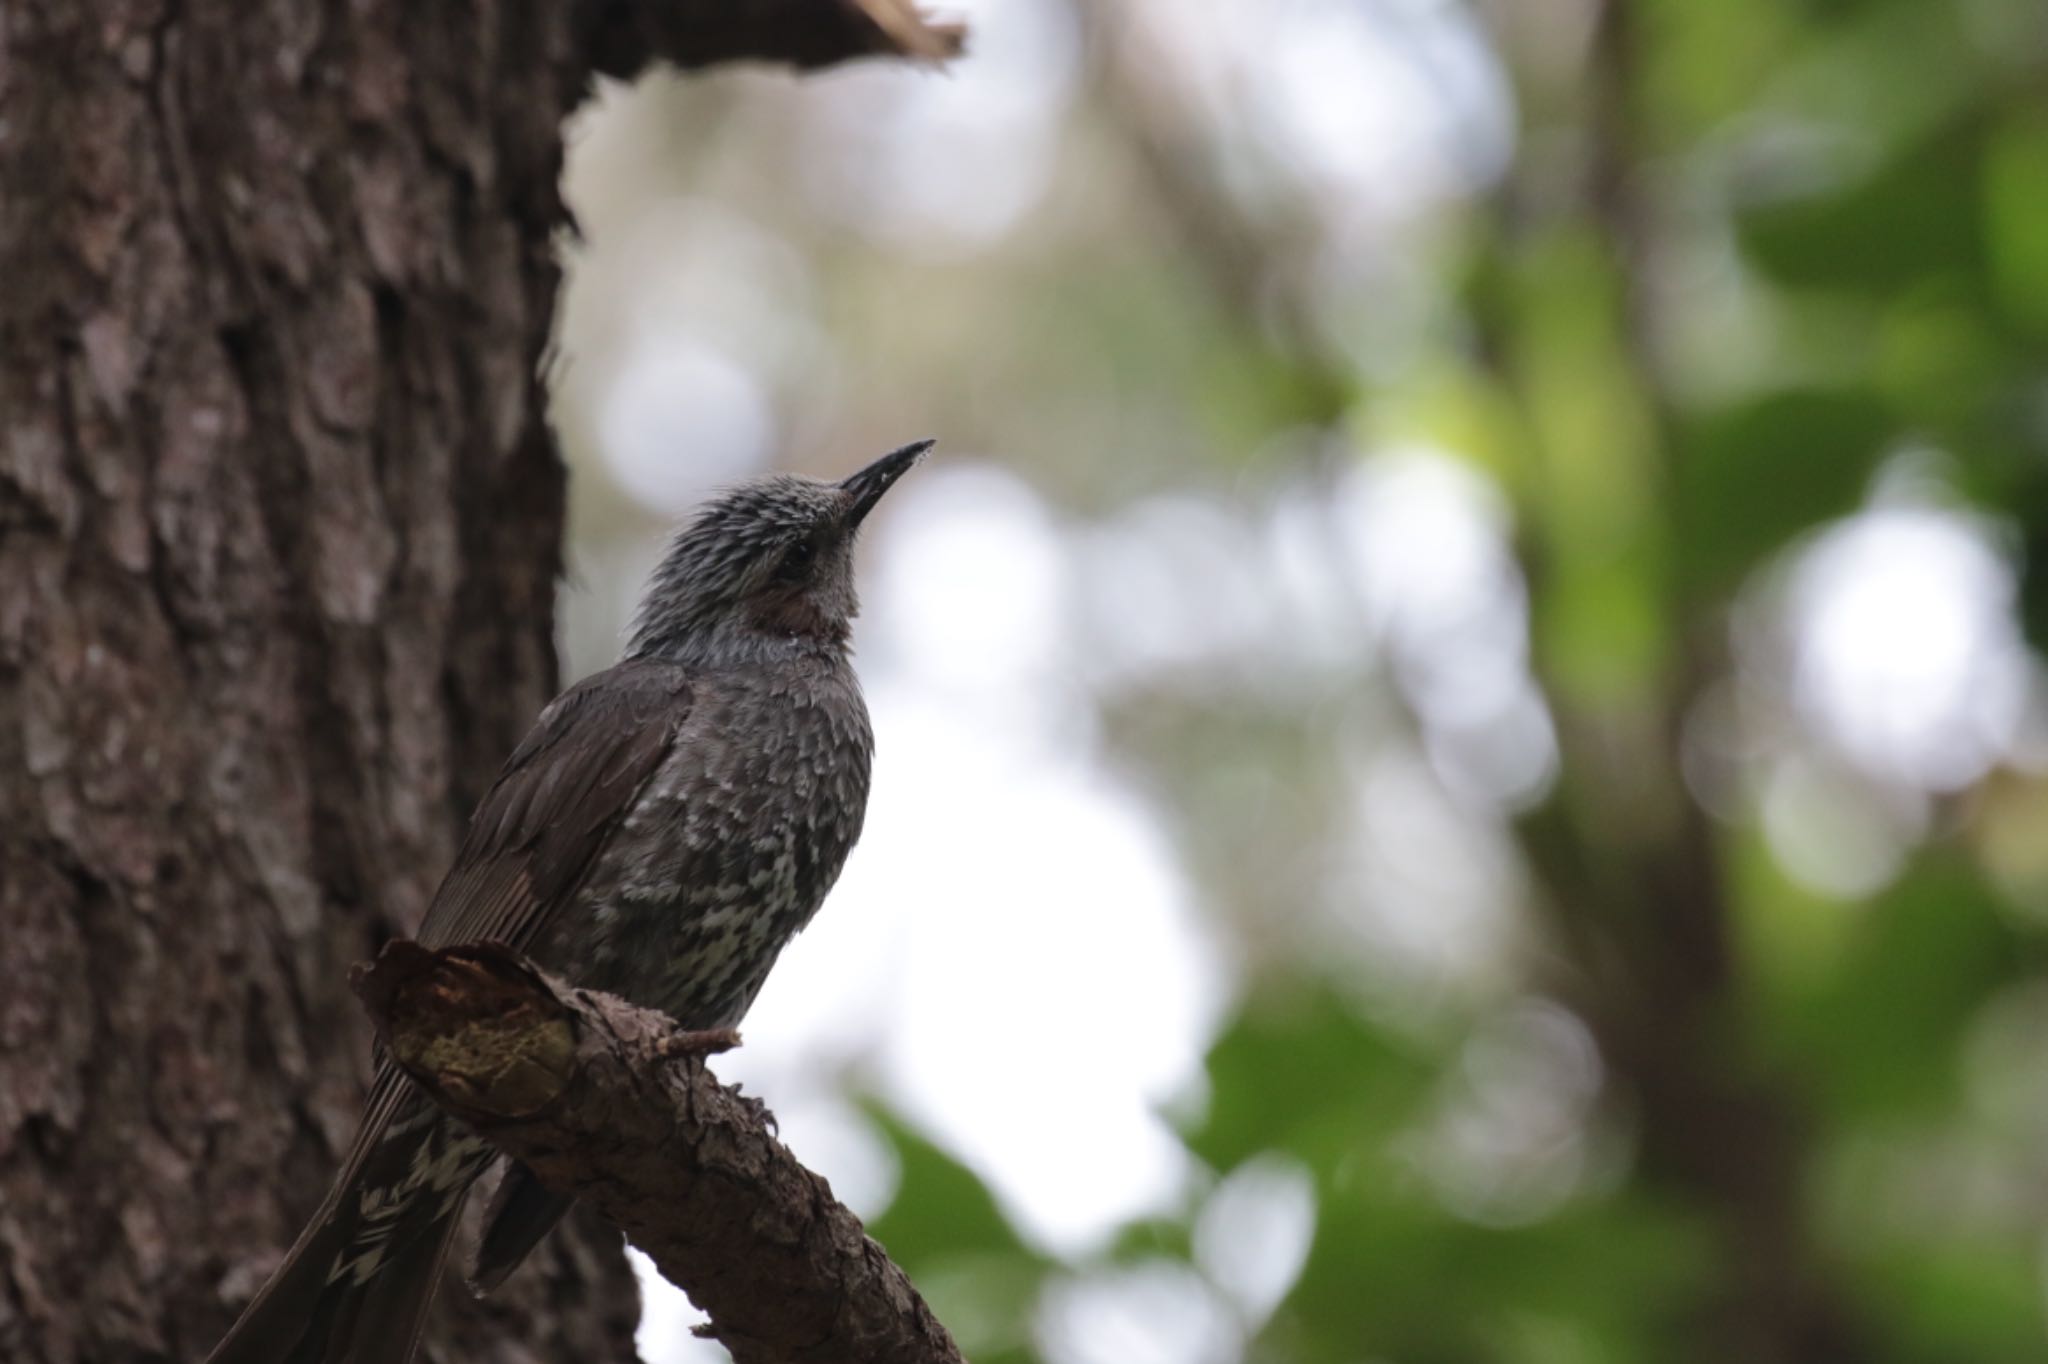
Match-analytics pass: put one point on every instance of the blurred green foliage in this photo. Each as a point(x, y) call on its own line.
point(1877, 171)
point(1747, 254)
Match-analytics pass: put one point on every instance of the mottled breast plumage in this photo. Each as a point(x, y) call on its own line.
point(730, 846)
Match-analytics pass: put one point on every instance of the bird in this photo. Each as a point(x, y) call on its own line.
point(665, 828)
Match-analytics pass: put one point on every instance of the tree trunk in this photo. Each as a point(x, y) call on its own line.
point(279, 529)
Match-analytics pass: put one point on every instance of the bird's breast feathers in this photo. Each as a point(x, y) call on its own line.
point(729, 849)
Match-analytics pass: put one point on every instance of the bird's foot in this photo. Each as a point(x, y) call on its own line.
point(757, 1109)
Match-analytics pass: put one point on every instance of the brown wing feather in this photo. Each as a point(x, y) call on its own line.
point(532, 841)
point(537, 831)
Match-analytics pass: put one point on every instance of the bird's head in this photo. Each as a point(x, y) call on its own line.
point(769, 559)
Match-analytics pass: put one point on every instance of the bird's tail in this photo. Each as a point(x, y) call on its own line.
point(355, 1287)
point(520, 1213)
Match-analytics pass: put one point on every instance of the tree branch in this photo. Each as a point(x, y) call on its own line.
point(619, 37)
point(614, 1104)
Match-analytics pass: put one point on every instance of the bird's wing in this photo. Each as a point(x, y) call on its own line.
point(531, 842)
point(538, 830)
point(543, 822)
point(540, 827)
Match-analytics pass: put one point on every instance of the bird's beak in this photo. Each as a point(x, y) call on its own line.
point(865, 488)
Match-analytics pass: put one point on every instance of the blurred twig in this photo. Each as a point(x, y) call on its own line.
point(620, 37)
point(913, 34)
point(1237, 257)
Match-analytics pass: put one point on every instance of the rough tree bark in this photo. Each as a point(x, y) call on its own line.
point(279, 528)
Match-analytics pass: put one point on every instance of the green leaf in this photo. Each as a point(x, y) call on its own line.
point(1912, 219)
point(2016, 218)
point(1755, 476)
point(941, 1207)
point(1880, 1033)
point(1308, 1076)
point(946, 1231)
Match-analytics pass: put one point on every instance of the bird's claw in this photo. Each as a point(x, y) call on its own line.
point(757, 1109)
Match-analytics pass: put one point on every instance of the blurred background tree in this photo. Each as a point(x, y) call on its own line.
point(1462, 739)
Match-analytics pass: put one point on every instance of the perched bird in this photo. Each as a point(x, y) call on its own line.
point(664, 829)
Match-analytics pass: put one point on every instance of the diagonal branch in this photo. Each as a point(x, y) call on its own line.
point(614, 1104)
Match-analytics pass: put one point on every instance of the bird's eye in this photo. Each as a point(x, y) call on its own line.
point(798, 557)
